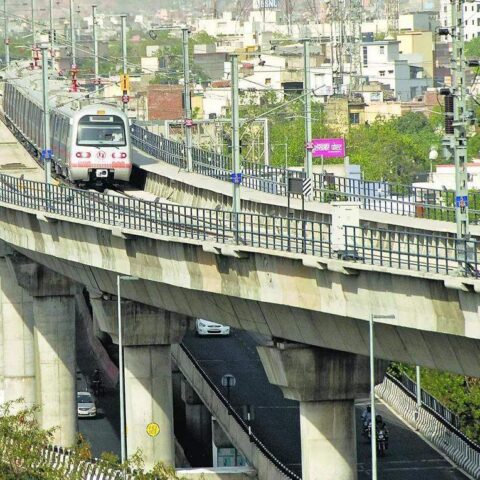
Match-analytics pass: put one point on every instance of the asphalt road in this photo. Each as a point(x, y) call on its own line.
point(276, 420)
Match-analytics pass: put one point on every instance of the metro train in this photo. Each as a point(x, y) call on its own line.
point(90, 143)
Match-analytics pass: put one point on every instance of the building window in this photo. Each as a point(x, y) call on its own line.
point(382, 50)
point(390, 72)
point(365, 56)
point(478, 7)
point(354, 118)
point(382, 73)
point(268, 81)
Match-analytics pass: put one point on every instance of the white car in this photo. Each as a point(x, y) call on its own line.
point(86, 405)
point(204, 327)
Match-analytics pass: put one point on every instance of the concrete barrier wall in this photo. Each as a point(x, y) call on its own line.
point(444, 437)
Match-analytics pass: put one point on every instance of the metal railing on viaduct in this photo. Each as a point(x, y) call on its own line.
point(442, 254)
point(378, 196)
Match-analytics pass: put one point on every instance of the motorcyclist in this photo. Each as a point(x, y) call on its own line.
point(96, 381)
point(381, 425)
point(366, 419)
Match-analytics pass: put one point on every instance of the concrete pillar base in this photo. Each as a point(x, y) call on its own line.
point(18, 350)
point(149, 400)
point(329, 449)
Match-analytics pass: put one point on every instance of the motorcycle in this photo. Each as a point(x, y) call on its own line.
point(382, 442)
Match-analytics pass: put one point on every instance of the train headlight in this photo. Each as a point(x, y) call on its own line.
point(119, 155)
point(83, 154)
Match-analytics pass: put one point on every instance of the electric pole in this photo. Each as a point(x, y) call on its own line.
point(236, 175)
point(52, 34)
point(72, 36)
point(455, 140)
point(186, 98)
point(6, 39)
point(307, 91)
point(124, 60)
point(34, 36)
point(95, 48)
point(47, 152)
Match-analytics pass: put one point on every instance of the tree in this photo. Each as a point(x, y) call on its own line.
point(24, 452)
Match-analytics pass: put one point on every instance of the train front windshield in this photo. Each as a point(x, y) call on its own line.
point(101, 130)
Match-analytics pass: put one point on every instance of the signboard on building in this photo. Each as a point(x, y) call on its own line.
point(328, 147)
point(266, 4)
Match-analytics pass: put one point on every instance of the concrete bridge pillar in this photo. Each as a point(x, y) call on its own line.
point(325, 382)
point(198, 421)
point(54, 345)
point(147, 336)
point(16, 336)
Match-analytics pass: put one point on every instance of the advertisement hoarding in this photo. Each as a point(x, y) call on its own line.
point(328, 147)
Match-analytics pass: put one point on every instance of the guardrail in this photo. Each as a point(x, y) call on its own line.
point(379, 196)
point(442, 254)
point(436, 428)
point(268, 466)
point(429, 401)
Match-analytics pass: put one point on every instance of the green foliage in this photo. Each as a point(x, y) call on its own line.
point(394, 149)
point(459, 393)
point(472, 48)
point(22, 443)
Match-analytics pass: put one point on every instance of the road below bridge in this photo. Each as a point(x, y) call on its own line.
point(276, 420)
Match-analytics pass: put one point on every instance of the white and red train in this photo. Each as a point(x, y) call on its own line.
point(90, 142)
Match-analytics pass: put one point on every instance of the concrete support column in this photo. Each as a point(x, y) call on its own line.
point(55, 365)
point(17, 356)
point(147, 335)
point(325, 382)
point(149, 399)
point(54, 346)
point(327, 431)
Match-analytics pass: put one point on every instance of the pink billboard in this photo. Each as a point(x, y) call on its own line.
point(328, 147)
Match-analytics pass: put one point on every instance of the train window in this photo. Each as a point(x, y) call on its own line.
point(94, 130)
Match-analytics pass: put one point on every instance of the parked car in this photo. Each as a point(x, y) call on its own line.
point(204, 327)
point(86, 405)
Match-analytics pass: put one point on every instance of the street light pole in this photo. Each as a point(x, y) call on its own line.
point(46, 153)
point(6, 39)
point(186, 98)
point(95, 47)
point(373, 431)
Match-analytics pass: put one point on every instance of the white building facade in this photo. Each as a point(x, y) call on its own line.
point(471, 18)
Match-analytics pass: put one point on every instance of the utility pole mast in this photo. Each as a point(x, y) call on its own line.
point(308, 109)
point(236, 175)
point(6, 39)
point(455, 139)
point(72, 36)
point(355, 18)
point(34, 35)
point(186, 98)
point(393, 11)
point(124, 60)
point(52, 33)
point(96, 80)
point(47, 152)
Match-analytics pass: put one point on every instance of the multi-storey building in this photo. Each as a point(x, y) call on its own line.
point(471, 17)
